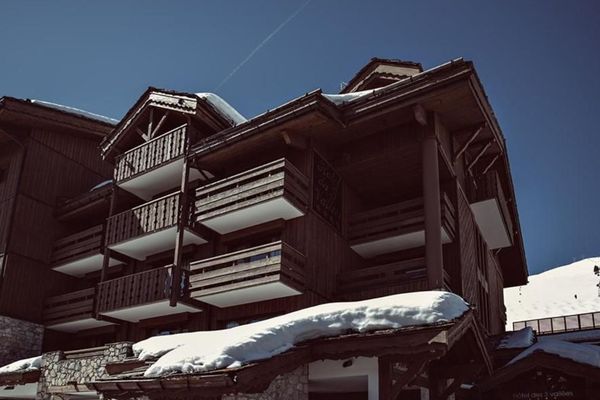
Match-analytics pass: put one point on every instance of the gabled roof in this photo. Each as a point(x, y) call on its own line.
point(400, 69)
point(209, 108)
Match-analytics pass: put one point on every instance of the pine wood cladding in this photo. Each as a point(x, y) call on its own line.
point(136, 289)
point(70, 306)
point(327, 192)
point(147, 218)
point(149, 155)
point(273, 262)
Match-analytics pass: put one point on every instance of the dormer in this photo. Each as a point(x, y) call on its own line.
point(149, 145)
point(381, 72)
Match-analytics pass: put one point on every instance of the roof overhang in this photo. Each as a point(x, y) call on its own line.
point(435, 341)
point(19, 378)
point(18, 112)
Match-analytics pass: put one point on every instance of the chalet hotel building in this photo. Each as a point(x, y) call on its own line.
point(184, 216)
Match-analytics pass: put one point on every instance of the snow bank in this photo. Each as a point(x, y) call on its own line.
point(566, 290)
point(223, 107)
point(518, 339)
point(229, 348)
point(76, 111)
point(28, 364)
point(581, 353)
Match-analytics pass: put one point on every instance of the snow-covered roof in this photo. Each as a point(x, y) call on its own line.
point(209, 350)
point(224, 108)
point(27, 364)
point(339, 99)
point(76, 111)
point(517, 340)
point(581, 353)
point(101, 184)
point(566, 290)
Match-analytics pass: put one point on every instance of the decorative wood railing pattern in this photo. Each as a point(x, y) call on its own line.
point(152, 154)
point(277, 178)
point(397, 219)
point(78, 245)
point(149, 217)
point(250, 267)
point(136, 289)
point(489, 187)
point(69, 307)
point(564, 323)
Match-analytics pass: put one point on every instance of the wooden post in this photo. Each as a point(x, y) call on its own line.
point(431, 203)
point(183, 218)
point(106, 255)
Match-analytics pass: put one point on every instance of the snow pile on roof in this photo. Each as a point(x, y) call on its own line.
point(566, 290)
point(581, 353)
point(28, 364)
point(101, 185)
point(340, 99)
point(76, 111)
point(223, 108)
point(230, 348)
point(518, 339)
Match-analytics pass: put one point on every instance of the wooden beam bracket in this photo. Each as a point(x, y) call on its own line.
point(466, 145)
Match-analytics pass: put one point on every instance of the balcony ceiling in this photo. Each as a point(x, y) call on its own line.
point(78, 325)
point(250, 294)
point(79, 268)
point(150, 310)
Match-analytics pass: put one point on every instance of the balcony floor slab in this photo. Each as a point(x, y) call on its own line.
point(256, 214)
point(158, 180)
point(150, 310)
point(488, 216)
point(251, 294)
point(78, 325)
point(153, 243)
point(82, 266)
point(392, 244)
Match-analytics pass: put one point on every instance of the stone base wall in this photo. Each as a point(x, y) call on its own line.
point(291, 386)
point(61, 371)
point(19, 339)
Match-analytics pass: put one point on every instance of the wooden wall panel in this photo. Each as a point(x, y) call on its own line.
point(26, 284)
point(496, 293)
point(82, 150)
point(468, 249)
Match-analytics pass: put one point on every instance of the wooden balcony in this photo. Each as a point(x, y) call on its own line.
point(260, 273)
point(155, 166)
point(386, 279)
point(150, 228)
point(142, 295)
point(396, 227)
point(80, 253)
point(490, 209)
point(72, 312)
point(276, 190)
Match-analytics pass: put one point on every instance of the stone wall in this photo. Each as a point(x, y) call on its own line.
point(19, 339)
point(60, 370)
point(291, 386)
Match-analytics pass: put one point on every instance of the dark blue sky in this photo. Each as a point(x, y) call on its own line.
point(539, 62)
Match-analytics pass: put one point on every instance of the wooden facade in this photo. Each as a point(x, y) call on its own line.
point(315, 201)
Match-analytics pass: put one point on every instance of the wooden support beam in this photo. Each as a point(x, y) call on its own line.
point(468, 143)
point(142, 134)
point(183, 217)
point(414, 369)
point(160, 124)
point(487, 168)
point(480, 154)
point(432, 207)
point(150, 122)
point(107, 251)
point(420, 114)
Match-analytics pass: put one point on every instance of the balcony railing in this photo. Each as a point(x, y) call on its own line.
point(233, 203)
point(136, 289)
point(565, 323)
point(69, 307)
point(152, 154)
point(398, 221)
point(77, 246)
point(259, 273)
point(147, 218)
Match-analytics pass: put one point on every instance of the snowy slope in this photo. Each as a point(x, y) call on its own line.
point(229, 348)
point(570, 289)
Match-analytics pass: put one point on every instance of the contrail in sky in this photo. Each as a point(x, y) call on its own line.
point(261, 44)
